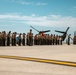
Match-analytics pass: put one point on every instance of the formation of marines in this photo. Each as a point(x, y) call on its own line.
point(11, 39)
point(47, 39)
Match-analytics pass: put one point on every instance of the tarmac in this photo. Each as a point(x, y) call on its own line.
point(38, 60)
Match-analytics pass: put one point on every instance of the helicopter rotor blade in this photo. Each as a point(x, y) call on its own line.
point(59, 31)
point(67, 29)
point(46, 31)
point(35, 29)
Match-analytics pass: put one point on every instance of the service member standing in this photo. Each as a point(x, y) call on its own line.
point(13, 39)
point(19, 37)
point(58, 39)
point(27, 39)
point(0, 39)
point(35, 39)
point(30, 38)
point(8, 38)
point(69, 39)
point(53, 39)
point(47, 39)
point(3, 38)
point(23, 40)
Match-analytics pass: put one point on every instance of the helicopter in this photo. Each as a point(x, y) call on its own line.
point(64, 33)
point(40, 32)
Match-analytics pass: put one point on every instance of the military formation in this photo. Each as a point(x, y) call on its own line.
point(19, 39)
point(14, 39)
point(47, 39)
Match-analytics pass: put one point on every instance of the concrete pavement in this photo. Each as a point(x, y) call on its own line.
point(19, 67)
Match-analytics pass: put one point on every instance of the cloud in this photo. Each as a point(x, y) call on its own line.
point(23, 2)
point(49, 20)
point(26, 3)
point(41, 4)
point(33, 3)
point(21, 17)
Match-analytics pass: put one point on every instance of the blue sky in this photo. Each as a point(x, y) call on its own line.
point(18, 15)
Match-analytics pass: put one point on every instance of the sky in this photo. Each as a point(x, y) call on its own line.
point(19, 15)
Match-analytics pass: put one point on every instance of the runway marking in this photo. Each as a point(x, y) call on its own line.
point(59, 62)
